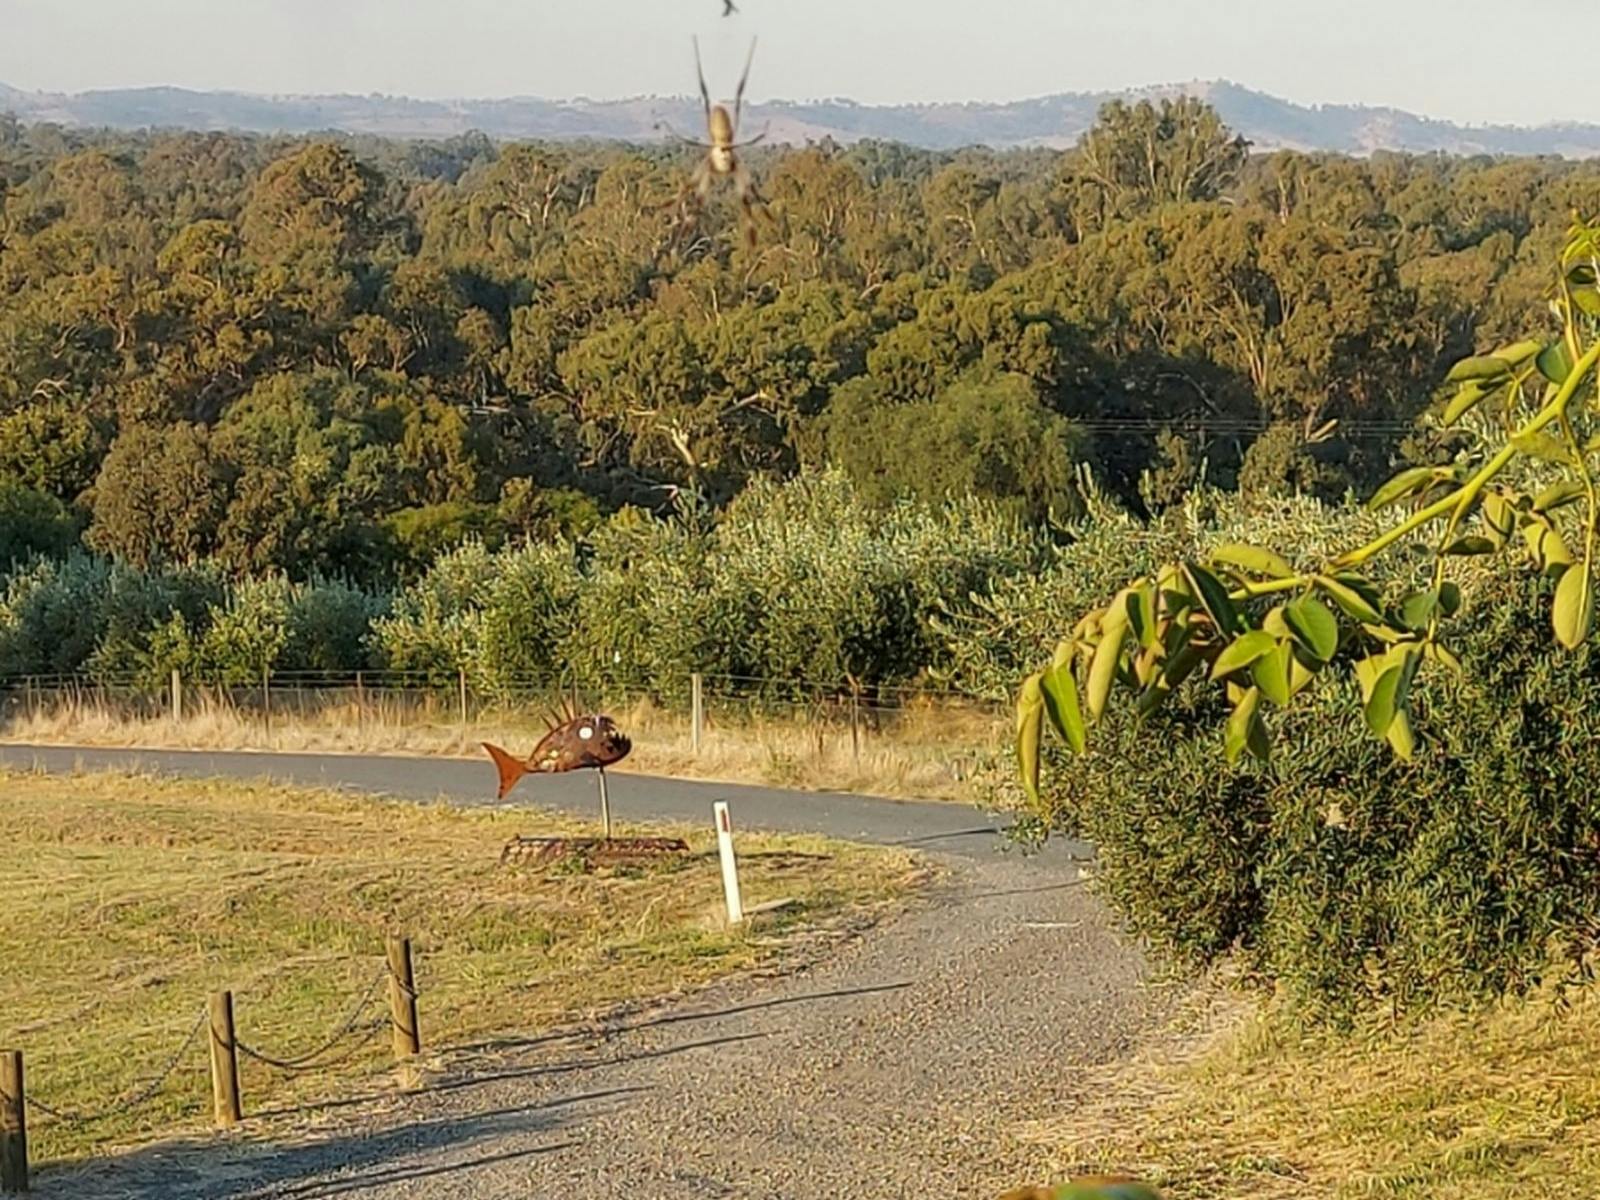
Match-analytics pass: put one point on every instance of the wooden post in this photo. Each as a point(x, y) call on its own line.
point(13, 1124)
point(855, 723)
point(403, 1000)
point(28, 701)
point(461, 679)
point(730, 867)
point(266, 698)
point(224, 1062)
point(605, 805)
point(697, 709)
point(177, 695)
point(361, 700)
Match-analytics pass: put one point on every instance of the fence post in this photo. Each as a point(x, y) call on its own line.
point(266, 698)
point(28, 702)
point(403, 1000)
point(13, 1124)
point(730, 867)
point(697, 709)
point(855, 723)
point(361, 700)
point(177, 695)
point(461, 679)
point(224, 1062)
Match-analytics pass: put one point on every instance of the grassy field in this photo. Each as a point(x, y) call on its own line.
point(927, 751)
point(1491, 1105)
point(126, 900)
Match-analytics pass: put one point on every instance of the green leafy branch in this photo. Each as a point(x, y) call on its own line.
point(1254, 624)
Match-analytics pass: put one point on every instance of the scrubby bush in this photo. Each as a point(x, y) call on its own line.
point(1343, 873)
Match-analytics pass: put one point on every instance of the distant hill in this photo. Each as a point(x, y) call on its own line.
point(1056, 121)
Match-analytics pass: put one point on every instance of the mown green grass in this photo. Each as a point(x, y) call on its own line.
point(126, 900)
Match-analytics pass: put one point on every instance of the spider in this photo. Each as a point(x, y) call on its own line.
point(721, 158)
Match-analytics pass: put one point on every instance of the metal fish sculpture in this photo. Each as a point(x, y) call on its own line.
point(590, 741)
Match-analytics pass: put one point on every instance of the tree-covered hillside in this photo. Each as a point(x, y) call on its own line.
point(342, 355)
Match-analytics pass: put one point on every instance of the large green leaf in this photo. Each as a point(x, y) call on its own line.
point(1449, 598)
point(1030, 724)
point(1472, 544)
point(1546, 545)
point(1237, 736)
point(1357, 597)
point(1103, 664)
point(1380, 706)
point(1254, 560)
point(1241, 652)
point(1408, 483)
point(1543, 446)
point(1482, 367)
point(1213, 597)
point(1555, 362)
point(1573, 612)
point(1059, 692)
point(1557, 495)
point(1417, 609)
point(1271, 673)
point(1142, 613)
point(1468, 398)
point(1314, 626)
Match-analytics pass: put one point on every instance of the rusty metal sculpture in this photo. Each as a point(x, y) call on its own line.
point(589, 741)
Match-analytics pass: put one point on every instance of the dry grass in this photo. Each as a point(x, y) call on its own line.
point(926, 751)
point(126, 900)
point(1487, 1105)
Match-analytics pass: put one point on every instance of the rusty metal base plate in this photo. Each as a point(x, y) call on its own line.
point(535, 851)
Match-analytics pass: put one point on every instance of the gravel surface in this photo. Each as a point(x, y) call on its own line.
point(891, 1067)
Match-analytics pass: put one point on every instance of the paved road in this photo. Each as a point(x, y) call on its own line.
point(951, 828)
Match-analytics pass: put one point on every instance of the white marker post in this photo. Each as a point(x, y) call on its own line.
point(730, 869)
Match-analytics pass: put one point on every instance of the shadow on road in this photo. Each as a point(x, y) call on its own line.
point(215, 1168)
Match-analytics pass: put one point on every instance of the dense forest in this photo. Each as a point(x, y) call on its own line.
point(338, 356)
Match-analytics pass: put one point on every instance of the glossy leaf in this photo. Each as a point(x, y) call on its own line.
point(1417, 609)
point(1059, 692)
point(1030, 725)
point(1573, 611)
point(1241, 652)
point(1468, 398)
point(1142, 614)
point(1543, 446)
point(1449, 598)
point(1103, 664)
point(1213, 597)
point(1408, 483)
point(1314, 626)
point(1254, 560)
point(1271, 674)
point(1356, 597)
point(1482, 367)
point(1472, 544)
point(1557, 495)
point(1555, 361)
point(1237, 735)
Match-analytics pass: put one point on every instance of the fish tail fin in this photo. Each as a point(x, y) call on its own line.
point(511, 769)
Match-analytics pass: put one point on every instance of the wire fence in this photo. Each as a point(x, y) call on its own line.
point(420, 698)
point(349, 1037)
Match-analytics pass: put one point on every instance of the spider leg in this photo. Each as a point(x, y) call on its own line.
point(705, 93)
point(738, 96)
point(678, 137)
point(760, 137)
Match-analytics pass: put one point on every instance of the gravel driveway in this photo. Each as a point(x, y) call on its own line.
point(891, 1068)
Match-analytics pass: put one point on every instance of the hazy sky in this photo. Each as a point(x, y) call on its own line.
point(1467, 60)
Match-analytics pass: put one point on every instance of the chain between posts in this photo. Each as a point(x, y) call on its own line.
point(133, 1099)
